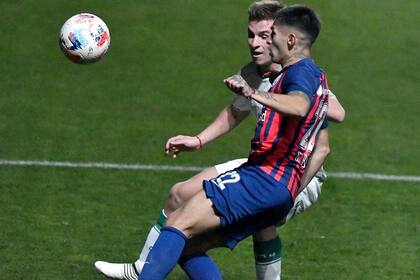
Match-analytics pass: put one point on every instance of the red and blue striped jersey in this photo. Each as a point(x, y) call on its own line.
point(282, 143)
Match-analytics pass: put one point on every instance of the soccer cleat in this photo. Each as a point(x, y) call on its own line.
point(124, 271)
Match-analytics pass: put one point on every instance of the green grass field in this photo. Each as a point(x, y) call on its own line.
point(163, 76)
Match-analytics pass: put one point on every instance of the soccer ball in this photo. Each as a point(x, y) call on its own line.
point(84, 38)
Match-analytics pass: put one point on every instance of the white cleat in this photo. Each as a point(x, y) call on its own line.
point(124, 271)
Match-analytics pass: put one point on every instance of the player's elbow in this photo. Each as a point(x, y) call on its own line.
point(341, 115)
point(327, 151)
point(337, 115)
point(301, 111)
point(299, 104)
point(336, 112)
point(322, 149)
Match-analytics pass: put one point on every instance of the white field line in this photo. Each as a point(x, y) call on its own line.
point(184, 168)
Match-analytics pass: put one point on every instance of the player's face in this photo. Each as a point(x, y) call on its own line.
point(258, 36)
point(278, 43)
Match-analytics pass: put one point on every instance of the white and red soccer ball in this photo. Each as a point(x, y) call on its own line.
point(84, 38)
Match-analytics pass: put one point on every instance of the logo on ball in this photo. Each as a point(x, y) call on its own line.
point(84, 38)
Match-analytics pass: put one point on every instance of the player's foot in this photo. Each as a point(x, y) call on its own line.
point(124, 271)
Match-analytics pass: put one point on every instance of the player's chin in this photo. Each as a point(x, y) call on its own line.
point(275, 59)
point(262, 61)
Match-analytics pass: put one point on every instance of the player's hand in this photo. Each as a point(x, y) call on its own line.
point(238, 85)
point(181, 143)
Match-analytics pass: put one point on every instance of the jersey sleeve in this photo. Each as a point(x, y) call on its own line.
point(300, 79)
point(241, 103)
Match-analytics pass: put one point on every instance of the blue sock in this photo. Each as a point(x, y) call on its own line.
point(164, 255)
point(200, 267)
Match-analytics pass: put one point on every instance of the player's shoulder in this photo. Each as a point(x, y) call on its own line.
point(303, 69)
point(303, 76)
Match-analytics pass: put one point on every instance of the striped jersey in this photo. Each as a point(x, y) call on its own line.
point(282, 143)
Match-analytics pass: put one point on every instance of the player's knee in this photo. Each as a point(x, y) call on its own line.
point(175, 197)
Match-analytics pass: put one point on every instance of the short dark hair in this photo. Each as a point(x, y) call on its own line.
point(264, 10)
point(303, 18)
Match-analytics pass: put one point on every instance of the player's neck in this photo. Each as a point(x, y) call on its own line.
point(295, 57)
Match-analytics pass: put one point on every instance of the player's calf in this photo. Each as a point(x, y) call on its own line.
point(267, 253)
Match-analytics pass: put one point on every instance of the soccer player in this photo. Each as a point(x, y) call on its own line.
point(266, 242)
point(261, 192)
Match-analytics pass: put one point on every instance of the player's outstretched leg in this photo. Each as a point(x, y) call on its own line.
point(196, 216)
point(179, 193)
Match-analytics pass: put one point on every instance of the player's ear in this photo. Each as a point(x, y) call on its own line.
point(291, 40)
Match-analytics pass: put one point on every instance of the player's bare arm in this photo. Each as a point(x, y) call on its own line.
point(317, 158)
point(294, 103)
point(227, 120)
point(336, 112)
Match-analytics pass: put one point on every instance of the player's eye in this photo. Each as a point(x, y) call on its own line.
point(250, 34)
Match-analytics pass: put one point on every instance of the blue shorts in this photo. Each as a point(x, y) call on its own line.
point(247, 200)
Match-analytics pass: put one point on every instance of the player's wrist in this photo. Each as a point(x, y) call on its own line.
point(251, 92)
point(200, 143)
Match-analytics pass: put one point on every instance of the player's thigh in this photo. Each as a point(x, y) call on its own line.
point(187, 189)
point(194, 217)
point(190, 187)
point(182, 191)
